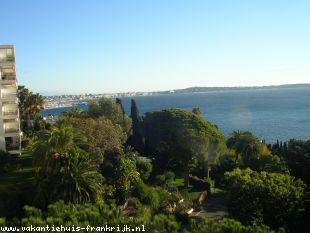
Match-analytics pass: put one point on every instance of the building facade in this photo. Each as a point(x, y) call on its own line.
point(10, 134)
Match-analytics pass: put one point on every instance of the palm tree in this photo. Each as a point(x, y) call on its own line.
point(47, 145)
point(30, 105)
point(77, 179)
point(63, 169)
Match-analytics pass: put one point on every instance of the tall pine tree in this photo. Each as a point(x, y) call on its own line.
point(119, 101)
point(137, 139)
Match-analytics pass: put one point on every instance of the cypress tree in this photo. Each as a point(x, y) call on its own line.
point(284, 149)
point(119, 101)
point(197, 111)
point(137, 140)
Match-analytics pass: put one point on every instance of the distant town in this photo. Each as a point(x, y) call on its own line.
point(59, 101)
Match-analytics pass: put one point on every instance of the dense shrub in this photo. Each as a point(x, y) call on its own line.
point(202, 184)
point(7, 162)
point(146, 194)
point(144, 168)
point(269, 198)
point(100, 214)
point(59, 213)
point(163, 224)
point(298, 159)
point(13, 199)
point(226, 226)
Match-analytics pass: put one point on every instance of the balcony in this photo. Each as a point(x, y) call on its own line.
point(10, 112)
point(11, 86)
point(12, 147)
point(8, 96)
point(12, 144)
point(7, 59)
point(8, 130)
point(8, 77)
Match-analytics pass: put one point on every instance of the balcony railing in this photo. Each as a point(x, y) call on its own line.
point(9, 96)
point(11, 130)
point(12, 147)
point(7, 59)
point(8, 77)
point(10, 113)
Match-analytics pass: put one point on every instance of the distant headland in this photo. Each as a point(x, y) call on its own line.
point(206, 89)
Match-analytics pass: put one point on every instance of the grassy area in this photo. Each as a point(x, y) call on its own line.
point(22, 177)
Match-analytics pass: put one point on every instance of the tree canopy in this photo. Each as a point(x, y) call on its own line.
point(30, 104)
point(175, 136)
point(111, 110)
point(261, 197)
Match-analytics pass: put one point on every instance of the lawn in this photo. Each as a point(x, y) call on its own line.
point(20, 178)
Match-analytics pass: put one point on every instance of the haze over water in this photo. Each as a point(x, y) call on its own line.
point(269, 114)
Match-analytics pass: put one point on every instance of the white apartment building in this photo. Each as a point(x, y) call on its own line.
point(10, 134)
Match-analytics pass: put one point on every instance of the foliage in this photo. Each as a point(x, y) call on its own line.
point(30, 105)
point(75, 179)
point(136, 140)
point(97, 214)
point(226, 163)
point(197, 111)
point(48, 144)
point(103, 137)
point(163, 224)
point(74, 113)
point(298, 159)
point(110, 110)
point(146, 194)
point(63, 169)
point(277, 165)
point(126, 176)
point(16, 187)
point(120, 103)
point(254, 153)
point(226, 226)
point(144, 168)
point(175, 136)
point(68, 215)
point(167, 181)
point(7, 162)
point(202, 184)
point(269, 198)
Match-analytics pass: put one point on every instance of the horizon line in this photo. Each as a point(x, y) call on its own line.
point(186, 88)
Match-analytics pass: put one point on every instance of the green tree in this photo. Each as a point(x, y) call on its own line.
point(144, 168)
point(136, 140)
point(268, 198)
point(63, 169)
point(254, 153)
point(226, 225)
point(298, 159)
point(120, 103)
point(48, 144)
point(30, 104)
point(197, 111)
point(175, 136)
point(77, 215)
point(103, 137)
point(111, 110)
point(126, 176)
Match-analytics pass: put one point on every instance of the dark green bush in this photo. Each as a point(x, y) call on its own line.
point(7, 162)
point(226, 226)
point(202, 184)
point(146, 195)
point(269, 198)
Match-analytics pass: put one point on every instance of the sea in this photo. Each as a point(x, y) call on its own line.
point(271, 114)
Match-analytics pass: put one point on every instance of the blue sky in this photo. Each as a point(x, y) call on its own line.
point(101, 46)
